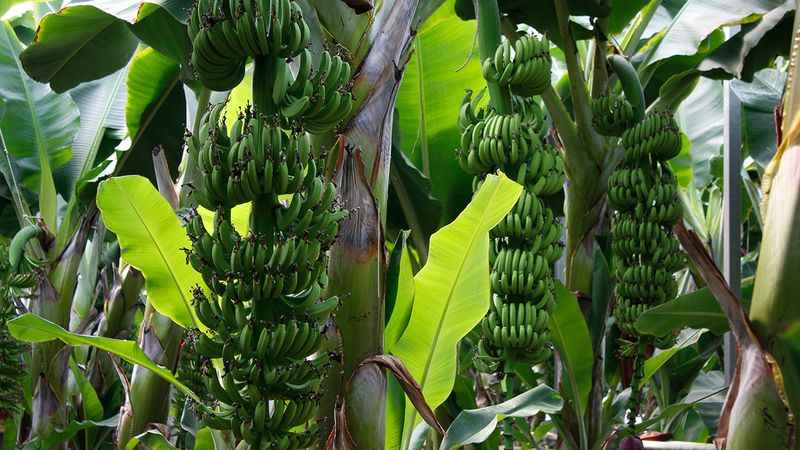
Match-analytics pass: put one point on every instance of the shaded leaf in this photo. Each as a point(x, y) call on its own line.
point(657, 361)
point(429, 101)
point(410, 198)
point(399, 294)
point(155, 113)
point(34, 329)
point(76, 44)
point(159, 29)
point(474, 426)
point(571, 337)
point(152, 240)
point(37, 127)
point(705, 135)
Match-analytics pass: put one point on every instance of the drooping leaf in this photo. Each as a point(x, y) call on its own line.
point(571, 337)
point(77, 44)
point(159, 29)
point(475, 425)
point(155, 112)
point(34, 329)
point(698, 309)
point(152, 240)
point(443, 64)
point(452, 293)
point(698, 19)
point(37, 127)
point(754, 46)
point(131, 10)
point(102, 108)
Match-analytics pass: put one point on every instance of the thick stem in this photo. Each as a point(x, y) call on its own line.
point(49, 360)
point(160, 339)
point(264, 73)
point(192, 171)
point(489, 32)
point(580, 94)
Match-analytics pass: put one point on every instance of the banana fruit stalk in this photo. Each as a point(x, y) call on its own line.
point(643, 192)
point(526, 243)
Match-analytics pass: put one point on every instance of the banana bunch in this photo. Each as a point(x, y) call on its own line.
point(612, 115)
point(649, 185)
point(524, 66)
point(516, 328)
point(224, 33)
point(656, 138)
point(626, 313)
point(498, 141)
point(647, 242)
point(526, 242)
point(543, 174)
point(318, 98)
point(644, 193)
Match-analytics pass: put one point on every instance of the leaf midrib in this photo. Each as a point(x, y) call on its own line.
point(161, 253)
point(28, 100)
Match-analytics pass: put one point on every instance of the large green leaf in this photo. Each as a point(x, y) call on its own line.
point(699, 18)
point(452, 293)
point(155, 112)
point(474, 426)
point(151, 239)
point(443, 64)
point(754, 46)
point(698, 309)
point(159, 29)
point(37, 127)
point(34, 329)
point(622, 12)
point(571, 337)
point(78, 43)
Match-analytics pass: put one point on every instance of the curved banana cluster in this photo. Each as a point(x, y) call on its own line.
point(644, 193)
point(526, 242)
point(318, 97)
point(524, 66)
point(612, 115)
point(225, 33)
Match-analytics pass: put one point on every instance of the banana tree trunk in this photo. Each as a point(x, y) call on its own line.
point(775, 308)
point(49, 359)
point(357, 395)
